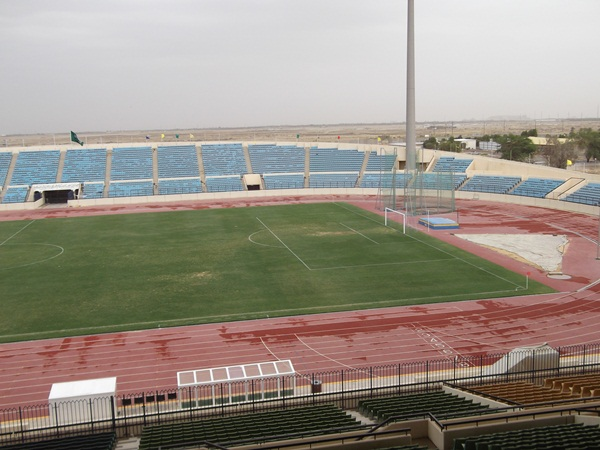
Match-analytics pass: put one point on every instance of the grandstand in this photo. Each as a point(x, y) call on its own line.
point(197, 169)
point(455, 410)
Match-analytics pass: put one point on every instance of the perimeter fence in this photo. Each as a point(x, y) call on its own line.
point(126, 414)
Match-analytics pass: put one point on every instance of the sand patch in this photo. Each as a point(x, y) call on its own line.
point(541, 250)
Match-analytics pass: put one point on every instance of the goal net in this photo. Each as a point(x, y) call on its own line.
point(429, 192)
point(389, 178)
point(395, 219)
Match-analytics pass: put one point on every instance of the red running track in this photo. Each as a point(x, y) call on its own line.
point(149, 360)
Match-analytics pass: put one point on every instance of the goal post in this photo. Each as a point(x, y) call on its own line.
point(388, 211)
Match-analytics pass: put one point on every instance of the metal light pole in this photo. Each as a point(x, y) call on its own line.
point(598, 241)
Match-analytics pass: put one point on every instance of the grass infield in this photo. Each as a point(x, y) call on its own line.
point(64, 277)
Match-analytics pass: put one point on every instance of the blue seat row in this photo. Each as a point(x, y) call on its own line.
point(536, 187)
point(335, 160)
point(452, 164)
point(384, 180)
point(131, 163)
point(5, 159)
point(270, 158)
point(284, 181)
point(130, 189)
point(223, 159)
point(177, 161)
point(224, 184)
point(179, 186)
point(380, 163)
point(16, 194)
point(333, 180)
point(588, 195)
point(36, 167)
point(490, 183)
point(84, 165)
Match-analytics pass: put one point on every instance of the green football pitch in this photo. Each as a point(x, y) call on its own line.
point(64, 277)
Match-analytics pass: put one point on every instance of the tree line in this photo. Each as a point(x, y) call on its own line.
point(558, 151)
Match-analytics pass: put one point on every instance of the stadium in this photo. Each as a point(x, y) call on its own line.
point(292, 295)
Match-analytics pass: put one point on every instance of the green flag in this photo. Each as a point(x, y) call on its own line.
point(74, 138)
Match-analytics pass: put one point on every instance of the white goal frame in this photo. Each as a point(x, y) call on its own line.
point(390, 210)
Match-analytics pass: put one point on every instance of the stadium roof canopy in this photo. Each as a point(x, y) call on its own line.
point(235, 373)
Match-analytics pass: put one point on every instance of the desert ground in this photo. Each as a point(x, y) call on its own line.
point(364, 133)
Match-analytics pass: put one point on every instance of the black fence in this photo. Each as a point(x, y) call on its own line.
point(127, 413)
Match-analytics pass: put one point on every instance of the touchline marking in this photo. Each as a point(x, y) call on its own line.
point(283, 243)
point(359, 266)
point(8, 239)
point(358, 232)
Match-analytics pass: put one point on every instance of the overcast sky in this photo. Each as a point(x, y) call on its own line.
point(99, 65)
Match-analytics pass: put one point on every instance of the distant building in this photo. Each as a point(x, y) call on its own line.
point(489, 145)
point(467, 144)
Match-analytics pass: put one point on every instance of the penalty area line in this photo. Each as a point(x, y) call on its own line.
point(359, 233)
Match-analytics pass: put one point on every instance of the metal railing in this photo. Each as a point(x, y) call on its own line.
point(127, 413)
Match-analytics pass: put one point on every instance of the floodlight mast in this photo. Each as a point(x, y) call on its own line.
point(411, 143)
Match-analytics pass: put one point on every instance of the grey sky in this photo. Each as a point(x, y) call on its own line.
point(91, 65)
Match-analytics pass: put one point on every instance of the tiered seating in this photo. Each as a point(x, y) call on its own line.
point(375, 180)
point(223, 184)
point(489, 183)
point(284, 181)
point(588, 195)
point(180, 186)
point(578, 386)
point(571, 436)
point(93, 190)
point(35, 167)
point(177, 162)
point(407, 447)
point(131, 163)
point(536, 187)
point(439, 180)
point(84, 165)
point(380, 163)
point(267, 426)
point(332, 180)
point(334, 160)
point(451, 164)
point(521, 393)
point(131, 189)
point(269, 158)
point(15, 194)
point(99, 441)
point(5, 159)
point(438, 403)
point(223, 159)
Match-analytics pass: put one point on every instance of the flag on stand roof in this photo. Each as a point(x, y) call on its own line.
point(74, 138)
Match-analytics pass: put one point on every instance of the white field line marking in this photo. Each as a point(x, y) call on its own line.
point(359, 233)
point(279, 359)
point(359, 266)
point(327, 357)
point(283, 243)
point(269, 350)
point(437, 343)
point(62, 250)
point(8, 239)
point(518, 286)
point(186, 321)
point(250, 238)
